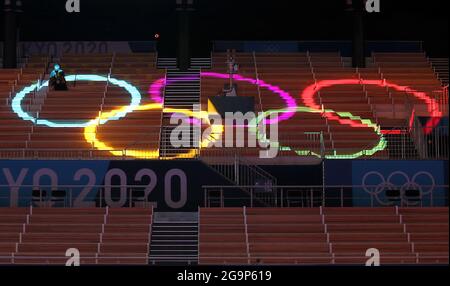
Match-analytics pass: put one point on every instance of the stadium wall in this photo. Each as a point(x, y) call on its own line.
point(179, 185)
point(56, 48)
point(173, 186)
point(369, 179)
point(344, 47)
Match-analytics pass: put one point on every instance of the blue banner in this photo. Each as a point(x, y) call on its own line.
point(413, 183)
point(271, 47)
point(168, 185)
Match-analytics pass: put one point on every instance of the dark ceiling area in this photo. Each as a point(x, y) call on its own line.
point(44, 20)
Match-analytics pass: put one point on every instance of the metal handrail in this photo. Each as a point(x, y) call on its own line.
point(162, 113)
point(301, 186)
point(257, 81)
point(312, 196)
point(253, 259)
point(418, 137)
point(246, 232)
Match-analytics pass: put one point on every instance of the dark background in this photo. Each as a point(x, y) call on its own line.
point(133, 20)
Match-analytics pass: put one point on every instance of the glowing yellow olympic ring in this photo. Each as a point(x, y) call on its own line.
point(90, 134)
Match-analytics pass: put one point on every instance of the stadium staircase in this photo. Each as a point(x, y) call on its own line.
point(166, 63)
point(201, 63)
point(440, 67)
point(174, 239)
point(196, 63)
point(182, 91)
point(246, 176)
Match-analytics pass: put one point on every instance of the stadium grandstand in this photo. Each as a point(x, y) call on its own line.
point(133, 164)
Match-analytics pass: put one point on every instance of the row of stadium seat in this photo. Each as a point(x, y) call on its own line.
point(141, 129)
point(323, 236)
point(294, 72)
point(103, 236)
point(83, 101)
point(230, 235)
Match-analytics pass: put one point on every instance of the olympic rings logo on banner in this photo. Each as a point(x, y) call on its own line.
point(406, 183)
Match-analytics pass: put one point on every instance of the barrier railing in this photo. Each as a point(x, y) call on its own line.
point(74, 154)
point(116, 195)
point(240, 171)
point(345, 47)
point(433, 144)
point(257, 81)
point(402, 259)
point(399, 148)
point(442, 98)
point(61, 260)
point(404, 143)
point(325, 196)
point(68, 196)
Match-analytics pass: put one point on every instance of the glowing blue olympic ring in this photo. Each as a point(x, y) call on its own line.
point(132, 90)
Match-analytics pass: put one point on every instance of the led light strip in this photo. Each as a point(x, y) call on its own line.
point(91, 138)
point(291, 108)
point(156, 87)
point(18, 98)
point(433, 107)
point(364, 123)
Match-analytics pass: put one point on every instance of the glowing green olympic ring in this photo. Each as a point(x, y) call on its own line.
point(381, 145)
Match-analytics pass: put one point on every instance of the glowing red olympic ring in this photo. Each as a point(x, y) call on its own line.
point(308, 93)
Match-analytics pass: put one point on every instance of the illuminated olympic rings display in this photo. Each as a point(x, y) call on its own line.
point(155, 91)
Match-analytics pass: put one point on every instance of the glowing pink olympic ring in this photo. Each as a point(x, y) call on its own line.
point(155, 93)
point(309, 92)
point(155, 90)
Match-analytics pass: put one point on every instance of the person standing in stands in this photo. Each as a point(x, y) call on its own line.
point(233, 69)
point(57, 78)
point(231, 63)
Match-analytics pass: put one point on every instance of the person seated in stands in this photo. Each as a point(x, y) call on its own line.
point(57, 78)
point(235, 68)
